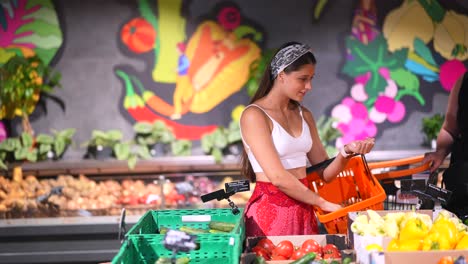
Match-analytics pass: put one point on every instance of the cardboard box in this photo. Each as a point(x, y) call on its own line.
point(359, 244)
point(248, 257)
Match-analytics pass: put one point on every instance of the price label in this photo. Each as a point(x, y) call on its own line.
point(237, 186)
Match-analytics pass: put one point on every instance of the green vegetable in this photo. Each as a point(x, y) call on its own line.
point(214, 231)
point(167, 260)
point(259, 260)
point(192, 230)
point(163, 230)
point(305, 259)
point(222, 226)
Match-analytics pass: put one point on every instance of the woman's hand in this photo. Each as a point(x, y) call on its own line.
point(328, 206)
point(435, 158)
point(360, 146)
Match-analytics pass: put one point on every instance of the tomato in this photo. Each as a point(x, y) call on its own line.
point(299, 253)
point(330, 251)
point(446, 260)
point(284, 248)
point(311, 245)
point(259, 251)
point(267, 244)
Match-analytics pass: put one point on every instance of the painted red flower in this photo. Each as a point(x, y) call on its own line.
point(229, 18)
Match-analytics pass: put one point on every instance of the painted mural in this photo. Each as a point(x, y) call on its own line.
point(420, 41)
point(28, 28)
point(191, 69)
point(205, 67)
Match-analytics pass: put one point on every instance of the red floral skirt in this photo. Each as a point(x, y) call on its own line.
point(270, 212)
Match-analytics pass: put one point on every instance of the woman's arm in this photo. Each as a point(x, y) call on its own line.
point(256, 131)
point(448, 131)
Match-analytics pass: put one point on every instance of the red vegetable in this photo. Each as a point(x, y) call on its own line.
point(311, 245)
point(284, 248)
point(330, 251)
point(267, 244)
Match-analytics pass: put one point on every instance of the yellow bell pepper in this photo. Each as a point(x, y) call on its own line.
point(436, 241)
point(409, 245)
point(414, 229)
point(446, 229)
point(463, 243)
point(394, 245)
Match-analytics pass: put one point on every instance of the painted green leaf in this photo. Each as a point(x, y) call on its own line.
point(409, 84)
point(32, 23)
point(370, 58)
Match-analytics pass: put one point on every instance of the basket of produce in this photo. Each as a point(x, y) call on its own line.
point(355, 188)
point(211, 249)
point(219, 232)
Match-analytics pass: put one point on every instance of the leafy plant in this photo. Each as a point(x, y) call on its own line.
point(181, 147)
point(17, 149)
point(54, 145)
point(23, 81)
point(104, 138)
point(152, 133)
point(328, 134)
point(431, 126)
point(215, 142)
point(130, 152)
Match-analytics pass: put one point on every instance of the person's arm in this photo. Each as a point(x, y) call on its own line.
point(318, 154)
point(448, 131)
point(256, 132)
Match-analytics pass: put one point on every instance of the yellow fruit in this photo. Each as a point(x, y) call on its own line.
point(374, 247)
point(451, 36)
point(402, 25)
point(236, 112)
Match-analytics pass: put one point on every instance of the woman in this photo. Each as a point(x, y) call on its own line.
point(453, 138)
point(279, 136)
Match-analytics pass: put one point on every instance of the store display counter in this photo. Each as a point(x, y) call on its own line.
point(61, 240)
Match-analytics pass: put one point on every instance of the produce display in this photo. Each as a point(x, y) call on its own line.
point(286, 250)
point(411, 231)
point(66, 195)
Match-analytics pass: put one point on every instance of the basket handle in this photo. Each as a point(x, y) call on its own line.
point(401, 172)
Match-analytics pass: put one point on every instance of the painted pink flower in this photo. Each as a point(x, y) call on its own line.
point(450, 71)
point(229, 18)
point(3, 134)
point(387, 108)
point(352, 121)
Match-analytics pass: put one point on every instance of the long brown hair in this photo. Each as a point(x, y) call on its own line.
point(264, 88)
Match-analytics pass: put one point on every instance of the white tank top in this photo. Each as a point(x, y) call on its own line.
point(292, 151)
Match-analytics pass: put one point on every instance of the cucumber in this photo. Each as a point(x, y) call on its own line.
point(163, 230)
point(166, 260)
point(222, 226)
point(193, 230)
point(214, 231)
point(259, 260)
point(305, 259)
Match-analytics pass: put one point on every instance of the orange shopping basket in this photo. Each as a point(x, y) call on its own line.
point(400, 169)
point(355, 188)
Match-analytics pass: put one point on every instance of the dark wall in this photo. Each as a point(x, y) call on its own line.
point(90, 52)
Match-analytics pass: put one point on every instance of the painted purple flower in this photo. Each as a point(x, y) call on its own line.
point(229, 18)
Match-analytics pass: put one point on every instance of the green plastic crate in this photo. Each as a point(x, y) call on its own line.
point(144, 244)
point(153, 220)
point(146, 249)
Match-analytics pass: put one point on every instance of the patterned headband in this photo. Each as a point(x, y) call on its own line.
point(286, 57)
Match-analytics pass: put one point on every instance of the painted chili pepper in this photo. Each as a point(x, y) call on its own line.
point(136, 107)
